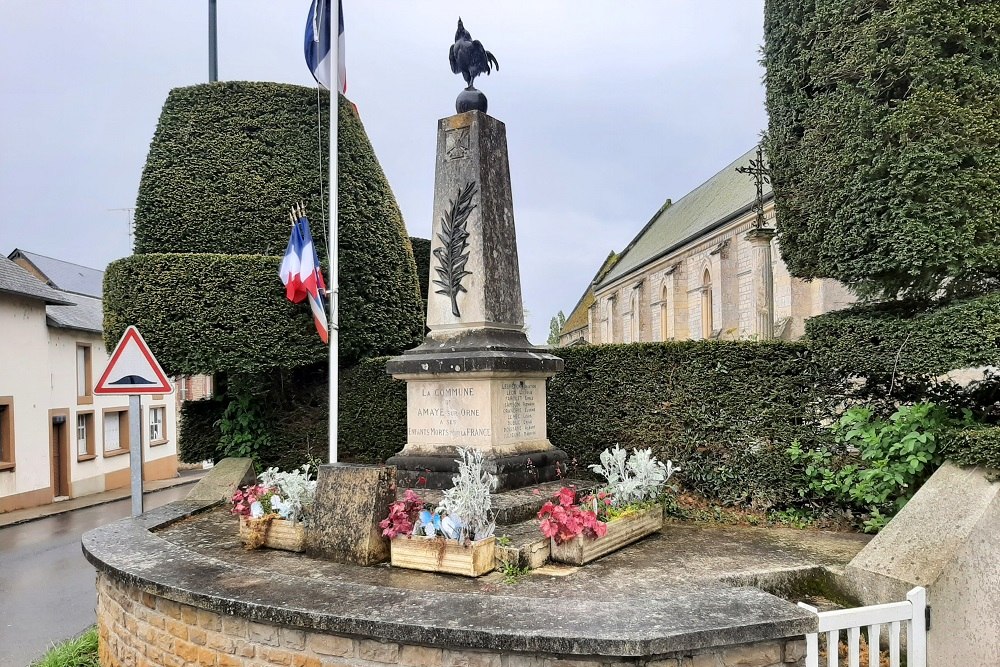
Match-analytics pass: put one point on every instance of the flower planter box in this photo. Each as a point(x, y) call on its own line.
point(436, 554)
point(279, 534)
point(621, 532)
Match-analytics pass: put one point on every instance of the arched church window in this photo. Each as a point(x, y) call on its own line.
point(666, 312)
point(707, 326)
point(609, 323)
point(634, 319)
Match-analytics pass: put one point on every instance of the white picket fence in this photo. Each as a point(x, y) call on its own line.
point(831, 623)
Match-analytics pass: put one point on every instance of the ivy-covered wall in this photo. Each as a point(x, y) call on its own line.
point(884, 142)
point(226, 163)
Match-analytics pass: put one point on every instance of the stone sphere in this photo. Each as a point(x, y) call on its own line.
point(470, 99)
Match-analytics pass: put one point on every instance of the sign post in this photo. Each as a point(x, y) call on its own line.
point(133, 370)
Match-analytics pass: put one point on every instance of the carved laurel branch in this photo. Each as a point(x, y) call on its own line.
point(453, 253)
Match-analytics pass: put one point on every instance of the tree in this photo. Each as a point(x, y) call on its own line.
point(555, 326)
point(883, 138)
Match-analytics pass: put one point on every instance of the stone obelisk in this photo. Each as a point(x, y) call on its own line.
point(476, 382)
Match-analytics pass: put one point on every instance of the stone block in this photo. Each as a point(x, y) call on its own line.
point(209, 620)
point(946, 539)
point(350, 502)
point(223, 479)
point(277, 656)
point(420, 656)
point(197, 636)
point(234, 627)
point(378, 651)
point(292, 638)
point(470, 659)
point(229, 661)
point(264, 634)
point(752, 655)
point(795, 650)
point(330, 645)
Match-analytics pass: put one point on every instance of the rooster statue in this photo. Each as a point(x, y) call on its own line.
point(468, 58)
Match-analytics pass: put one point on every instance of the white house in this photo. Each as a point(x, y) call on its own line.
point(57, 439)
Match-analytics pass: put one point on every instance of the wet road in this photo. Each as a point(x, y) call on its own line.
point(47, 589)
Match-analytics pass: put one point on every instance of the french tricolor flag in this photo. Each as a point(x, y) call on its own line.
point(303, 277)
point(317, 44)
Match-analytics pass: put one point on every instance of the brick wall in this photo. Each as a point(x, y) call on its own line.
point(139, 629)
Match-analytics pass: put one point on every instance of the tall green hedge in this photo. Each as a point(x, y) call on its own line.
point(202, 313)
point(884, 141)
point(906, 340)
point(724, 411)
point(226, 162)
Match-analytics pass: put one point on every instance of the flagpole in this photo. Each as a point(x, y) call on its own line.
point(334, 250)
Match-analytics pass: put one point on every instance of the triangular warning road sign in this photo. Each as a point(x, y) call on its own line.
point(133, 369)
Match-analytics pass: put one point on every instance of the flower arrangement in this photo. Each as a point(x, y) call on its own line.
point(633, 480)
point(632, 483)
point(464, 513)
point(565, 519)
point(276, 495)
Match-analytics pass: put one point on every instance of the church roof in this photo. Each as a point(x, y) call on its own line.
point(65, 276)
point(16, 280)
point(714, 202)
point(578, 318)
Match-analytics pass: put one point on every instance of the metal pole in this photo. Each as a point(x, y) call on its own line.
point(213, 55)
point(334, 263)
point(135, 450)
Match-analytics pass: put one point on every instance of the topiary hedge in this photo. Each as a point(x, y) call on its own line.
point(201, 313)
point(882, 340)
point(226, 162)
point(883, 138)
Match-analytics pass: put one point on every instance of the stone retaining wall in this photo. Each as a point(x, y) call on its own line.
point(140, 629)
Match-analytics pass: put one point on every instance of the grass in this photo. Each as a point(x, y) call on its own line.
point(78, 652)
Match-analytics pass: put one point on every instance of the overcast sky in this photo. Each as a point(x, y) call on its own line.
point(610, 108)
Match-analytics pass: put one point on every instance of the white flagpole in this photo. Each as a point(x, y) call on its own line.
point(334, 263)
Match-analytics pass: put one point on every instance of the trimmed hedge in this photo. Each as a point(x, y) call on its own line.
point(201, 313)
point(372, 425)
point(198, 429)
point(877, 340)
point(884, 142)
point(226, 162)
point(422, 257)
point(978, 446)
point(724, 411)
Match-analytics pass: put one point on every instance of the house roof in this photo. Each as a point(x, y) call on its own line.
point(65, 276)
point(16, 280)
point(712, 203)
point(578, 318)
point(85, 315)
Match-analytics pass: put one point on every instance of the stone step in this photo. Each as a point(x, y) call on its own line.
point(522, 545)
point(514, 506)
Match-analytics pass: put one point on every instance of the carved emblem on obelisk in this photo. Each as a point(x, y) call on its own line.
point(453, 252)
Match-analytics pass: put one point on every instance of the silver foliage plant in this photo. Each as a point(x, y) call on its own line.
point(468, 501)
point(638, 478)
point(294, 489)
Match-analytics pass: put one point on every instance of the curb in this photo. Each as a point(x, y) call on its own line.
point(54, 509)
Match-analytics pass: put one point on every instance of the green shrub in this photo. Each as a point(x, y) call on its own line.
point(902, 339)
point(202, 313)
point(422, 257)
point(884, 122)
point(893, 459)
point(198, 428)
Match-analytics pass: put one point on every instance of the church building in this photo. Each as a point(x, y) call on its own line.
point(706, 266)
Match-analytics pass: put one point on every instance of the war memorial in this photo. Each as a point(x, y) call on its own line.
point(176, 587)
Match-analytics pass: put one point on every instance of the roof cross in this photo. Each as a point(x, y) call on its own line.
point(761, 175)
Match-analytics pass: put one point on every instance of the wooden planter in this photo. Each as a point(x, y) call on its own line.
point(279, 534)
point(621, 532)
point(437, 554)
